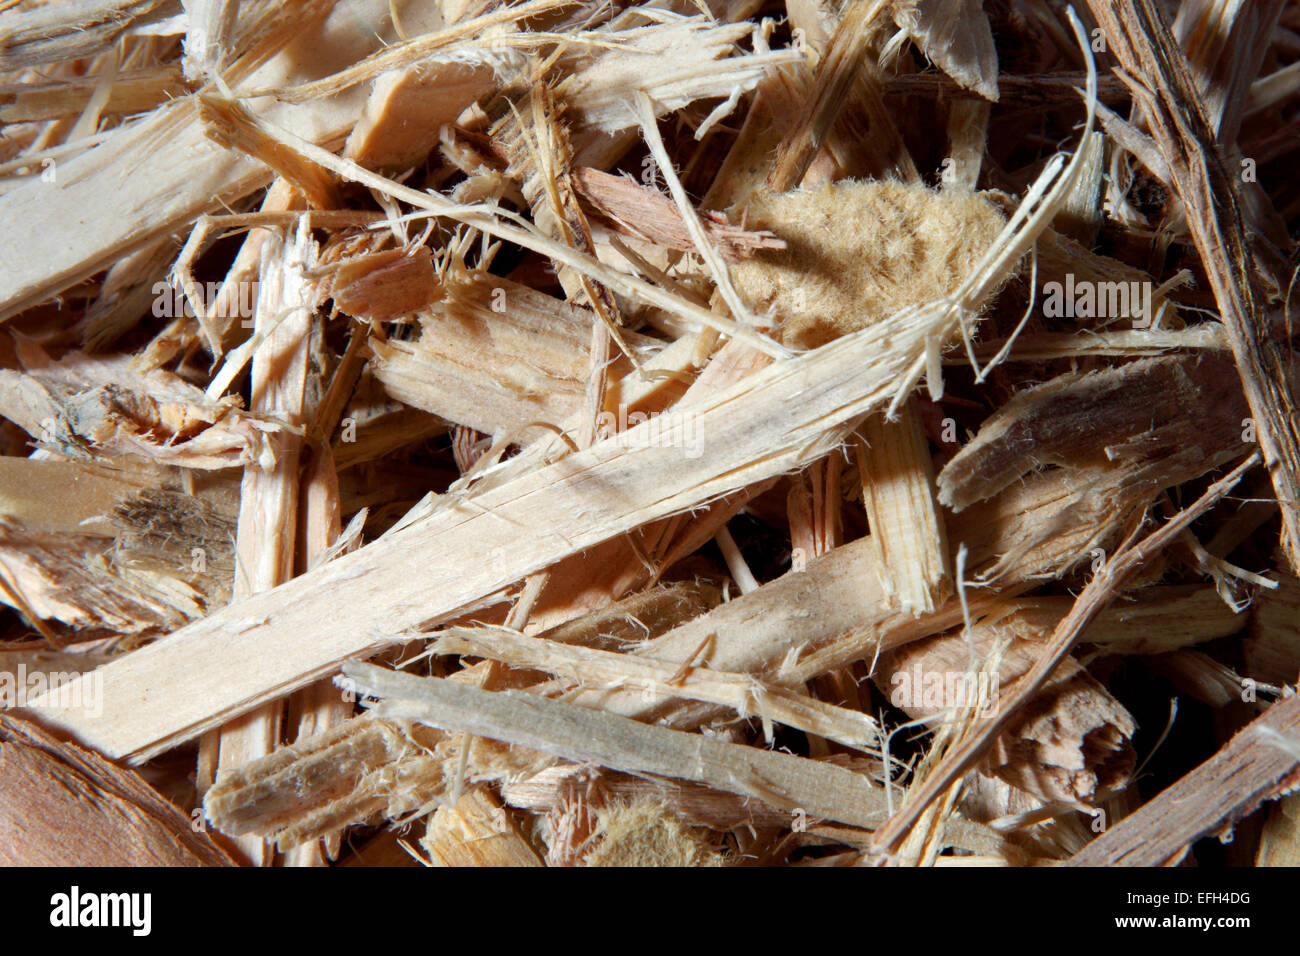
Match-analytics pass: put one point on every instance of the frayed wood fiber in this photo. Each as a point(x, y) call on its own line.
point(857, 252)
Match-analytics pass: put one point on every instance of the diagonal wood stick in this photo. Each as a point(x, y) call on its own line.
point(461, 556)
point(565, 730)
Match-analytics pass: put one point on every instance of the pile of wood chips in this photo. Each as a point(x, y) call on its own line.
point(690, 432)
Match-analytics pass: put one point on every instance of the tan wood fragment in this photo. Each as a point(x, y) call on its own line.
point(268, 512)
point(477, 831)
point(646, 213)
point(906, 524)
point(407, 109)
point(494, 355)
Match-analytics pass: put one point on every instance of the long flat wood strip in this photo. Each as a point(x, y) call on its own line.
point(659, 680)
point(470, 548)
point(266, 537)
point(566, 730)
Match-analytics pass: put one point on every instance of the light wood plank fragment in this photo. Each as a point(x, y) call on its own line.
point(493, 355)
point(477, 831)
point(268, 513)
point(898, 491)
point(230, 662)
